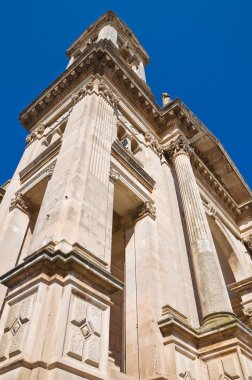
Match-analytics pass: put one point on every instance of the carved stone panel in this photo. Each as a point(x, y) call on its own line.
point(15, 328)
point(84, 331)
point(226, 368)
point(186, 376)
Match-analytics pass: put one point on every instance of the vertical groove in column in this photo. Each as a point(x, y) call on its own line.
point(102, 141)
point(191, 198)
point(210, 282)
point(70, 137)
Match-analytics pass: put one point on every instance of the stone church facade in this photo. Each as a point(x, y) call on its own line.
point(125, 232)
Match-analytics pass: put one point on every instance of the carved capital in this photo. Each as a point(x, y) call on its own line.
point(247, 311)
point(180, 145)
point(247, 241)
point(30, 138)
point(113, 175)
point(40, 130)
point(77, 96)
point(38, 133)
point(212, 211)
point(148, 208)
point(153, 143)
point(49, 172)
point(108, 94)
point(22, 203)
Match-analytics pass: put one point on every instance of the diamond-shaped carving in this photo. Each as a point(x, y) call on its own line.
point(16, 326)
point(80, 312)
point(86, 331)
point(186, 376)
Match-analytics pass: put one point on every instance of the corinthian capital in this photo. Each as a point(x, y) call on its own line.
point(147, 208)
point(180, 145)
point(22, 203)
point(248, 242)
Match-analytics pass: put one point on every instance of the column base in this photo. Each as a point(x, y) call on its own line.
point(209, 352)
point(214, 320)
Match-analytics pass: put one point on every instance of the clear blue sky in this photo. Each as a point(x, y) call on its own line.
point(200, 52)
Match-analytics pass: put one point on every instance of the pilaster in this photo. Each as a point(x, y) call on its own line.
point(76, 203)
point(144, 355)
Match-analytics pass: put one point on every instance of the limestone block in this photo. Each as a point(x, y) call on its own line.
point(227, 367)
point(84, 331)
point(16, 328)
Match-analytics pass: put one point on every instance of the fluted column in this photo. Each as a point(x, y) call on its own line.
point(213, 295)
point(76, 207)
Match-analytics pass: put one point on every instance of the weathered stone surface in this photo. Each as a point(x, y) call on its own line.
point(125, 232)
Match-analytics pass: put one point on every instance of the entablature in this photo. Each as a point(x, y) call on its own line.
point(210, 160)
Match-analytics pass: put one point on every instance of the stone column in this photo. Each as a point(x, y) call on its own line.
point(76, 206)
point(213, 295)
point(13, 235)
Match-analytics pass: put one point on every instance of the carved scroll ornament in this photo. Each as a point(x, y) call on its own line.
point(180, 145)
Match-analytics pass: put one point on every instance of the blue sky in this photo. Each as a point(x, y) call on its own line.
point(200, 52)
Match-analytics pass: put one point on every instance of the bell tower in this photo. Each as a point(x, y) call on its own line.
point(124, 255)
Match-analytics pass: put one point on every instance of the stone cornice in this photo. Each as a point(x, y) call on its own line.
point(103, 58)
point(20, 201)
point(50, 263)
point(41, 160)
point(215, 187)
point(147, 208)
point(170, 324)
point(181, 145)
point(93, 60)
point(128, 161)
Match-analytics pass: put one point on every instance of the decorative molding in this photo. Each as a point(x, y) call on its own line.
point(22, 203)
point(85, 332)
point(108, 94)
point(186, 376)
point(180, 145)
point(129, 162)
point(38, 133)
point(243, 290)
point(212, 211)
point(15, 329)
point(50, 171)
point(113, 175)
point(247, 241)
point(169, 311)
point(40, 161)
point(147, 208)
point(247, 311)
point(154, 144)
point(104, 60)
